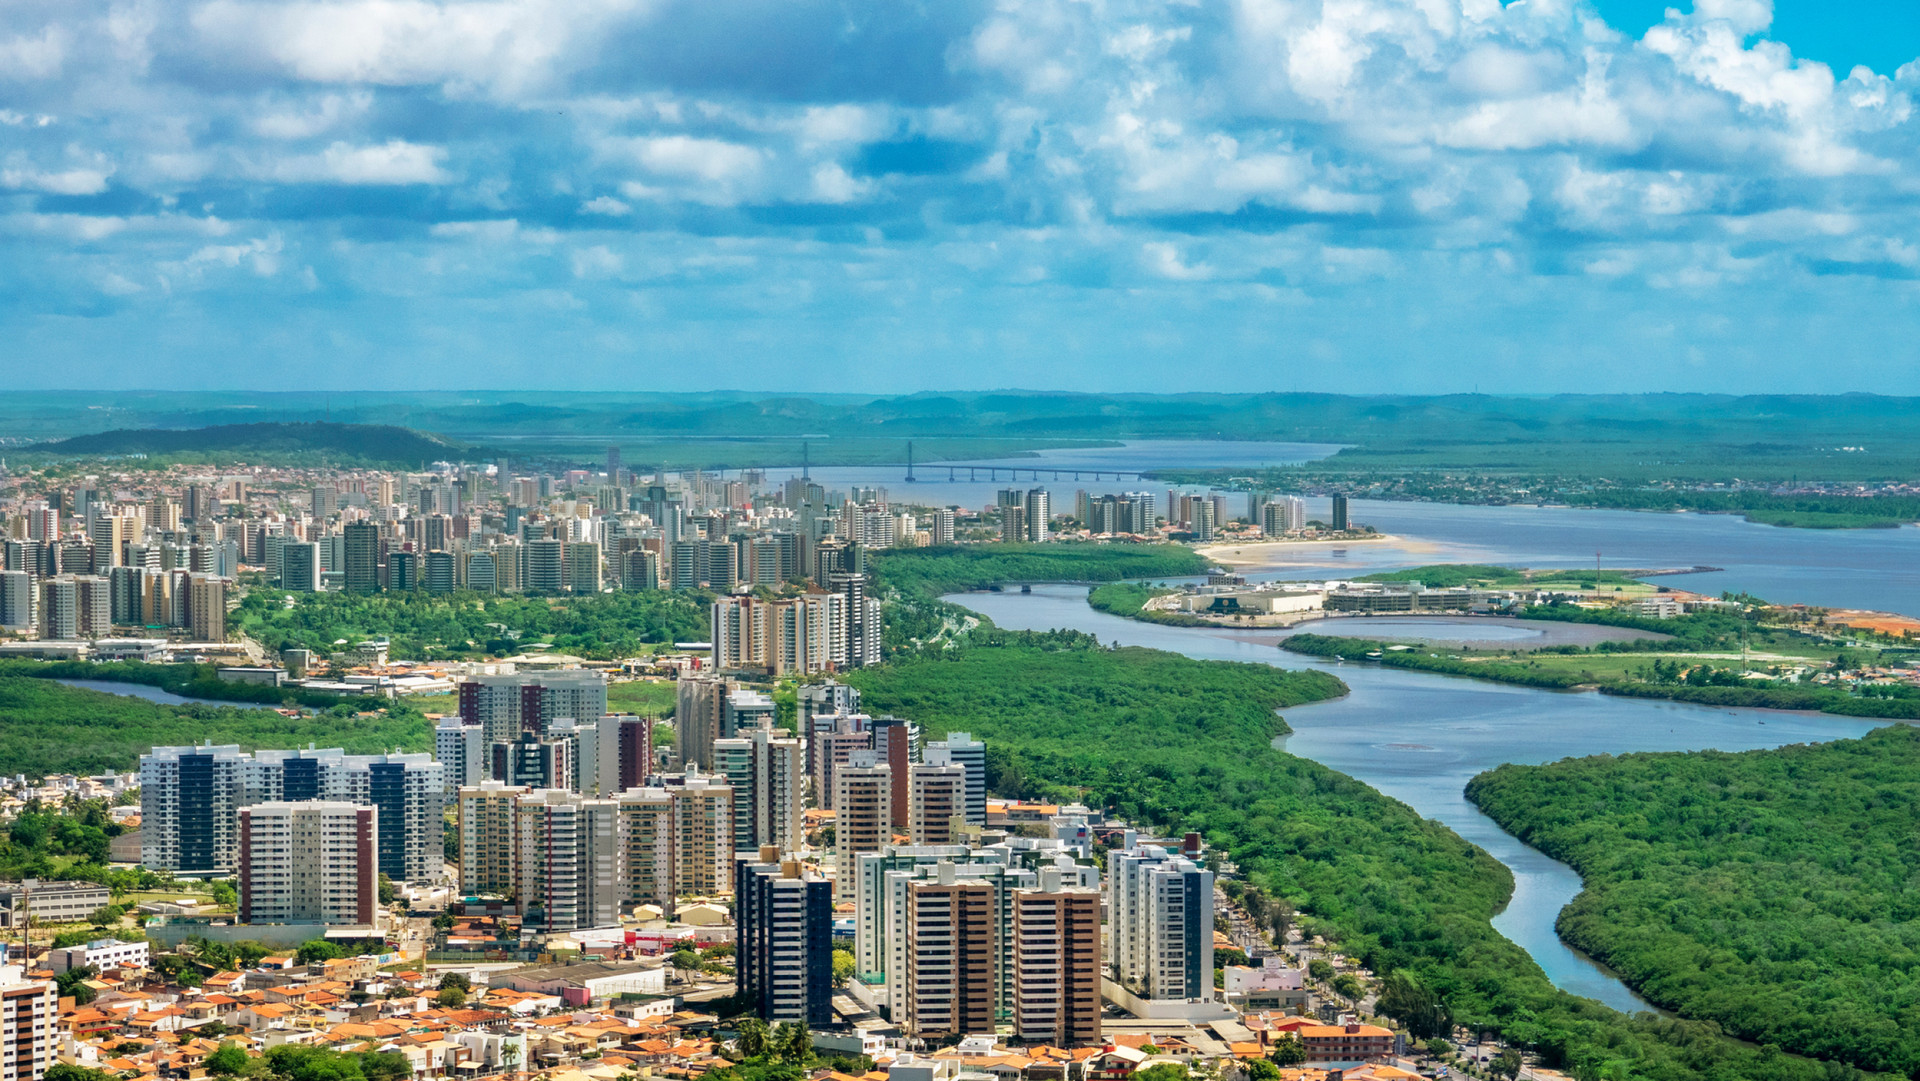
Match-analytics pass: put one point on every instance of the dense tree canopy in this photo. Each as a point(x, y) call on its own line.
point(1772, 891)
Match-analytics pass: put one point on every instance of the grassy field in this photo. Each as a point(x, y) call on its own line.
point(648, 698)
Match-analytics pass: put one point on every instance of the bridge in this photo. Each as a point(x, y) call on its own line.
point(1034, 473)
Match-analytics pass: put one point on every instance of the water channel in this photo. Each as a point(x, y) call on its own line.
point(1419, 737)
point(151, 693)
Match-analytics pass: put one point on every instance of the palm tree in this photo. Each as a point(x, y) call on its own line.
point(751, 1037)
point(509, 1055)
point(793, 1042)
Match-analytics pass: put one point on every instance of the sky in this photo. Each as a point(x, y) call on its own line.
point(834, 195)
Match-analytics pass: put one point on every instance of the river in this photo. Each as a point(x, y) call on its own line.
point(152, 693)
point(1419, 737)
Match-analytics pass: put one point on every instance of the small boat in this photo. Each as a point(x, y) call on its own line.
point(1026, 589)
point(1374, 654)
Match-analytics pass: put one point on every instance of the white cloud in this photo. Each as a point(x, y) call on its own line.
point(63, 182)
point(388, 163)
point(607, 205)
point(26, 57)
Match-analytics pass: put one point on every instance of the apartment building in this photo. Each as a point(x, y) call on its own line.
point(312, 861)
point(489, 839)
point(571, 863)
point(784, 921)
point(29, 1025)
point(1160, 923)
point(863, 809)
point(952, 946)
point(961, 749)
point(766, 773)
point(1056, 964)
point(506, 705)
point(937, 795)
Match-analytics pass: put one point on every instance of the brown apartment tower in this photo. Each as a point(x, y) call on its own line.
point(1056, 967)
point(953, 939)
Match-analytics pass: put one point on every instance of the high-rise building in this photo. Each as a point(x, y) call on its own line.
point(633, 742)
point(489, 839)
point(482, 572)
point(832, 749)
point(507, 705)
point(1200, 519)
point(857, 637)
point(16, 600)
point(462, 752)
point(1013, 523)
point(699, 717)
point(942, 527)
point(311, 861)
point(403, 571)
point(640, 569)
point(784, 962)
point(300, 566)
point(532, 762)
point(74, 606)
point(1279, 517)
point(410, 791)
point(863, 810)
point(1039, 515)
point(583, 567)
point(937, 794)
point(545, 566)
point(1341, 520)
point(361, 574)
point(1160, 923)
point(437, 572)
point(190, 800)
point(1056, 965)
point(30, 1033)
point(767, 777)
point(207, 607)
point(961, 749)
point(703, 832)
point(896, 741)
point(571, 870)
point(953, 932)
point(647, 830)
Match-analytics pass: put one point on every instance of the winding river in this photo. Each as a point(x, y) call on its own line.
point(1419, 737)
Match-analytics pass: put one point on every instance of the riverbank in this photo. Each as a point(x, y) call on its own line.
point(1414, 742)
point(1618, 673)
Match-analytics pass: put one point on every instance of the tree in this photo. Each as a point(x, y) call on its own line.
point(1349, 987)
point(1262, 1070)
point(792, 1042)
point(844, 967)
point(317, 949)
point(61, 1071)
point(450, 998)
point(1406, 1000)
point(1288, 1050)
point(751, 1037)
point(388, 894)
point(1320, 970)
point(72, 982)
point(227, 1060)
point(1506, 1064)
point(224, 894)
point(106, 916)
point(686, 959)
point(455, 979)
point(1165, 1071)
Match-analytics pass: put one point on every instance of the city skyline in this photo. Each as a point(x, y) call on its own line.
point(1364, 197)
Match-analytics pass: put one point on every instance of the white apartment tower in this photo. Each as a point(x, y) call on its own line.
point(309, 862)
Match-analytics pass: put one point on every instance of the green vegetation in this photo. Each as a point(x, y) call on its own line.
point(1453, 575)
point(935, 571)
point(187, 680)
point(647, 698)
point(1770, 891)
point(280, 440)
point(428, 625)
point(1179, 744)
point(1128, 599)
point(44, 843)
point(1625, 669)
point(1183, 744)
point(48, 727)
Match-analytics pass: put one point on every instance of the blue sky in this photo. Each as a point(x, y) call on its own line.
point(1366, 195)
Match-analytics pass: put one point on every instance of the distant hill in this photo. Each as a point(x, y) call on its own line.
point(357, 442)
